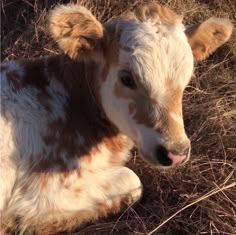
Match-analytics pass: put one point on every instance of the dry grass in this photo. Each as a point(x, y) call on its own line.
point(199, 198)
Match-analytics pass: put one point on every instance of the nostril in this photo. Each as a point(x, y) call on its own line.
point(162, 156)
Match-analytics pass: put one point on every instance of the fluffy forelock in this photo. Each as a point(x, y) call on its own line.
point(155, 53)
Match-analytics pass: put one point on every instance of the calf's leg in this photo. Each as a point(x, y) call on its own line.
point(62, 202)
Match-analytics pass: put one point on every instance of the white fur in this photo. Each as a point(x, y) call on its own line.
point(23, 107)
point(157, 56)
point(7, 168)
point(24, 121)
point(116, 109)
point(153, 54)
point(58, 198)
point(156, 53)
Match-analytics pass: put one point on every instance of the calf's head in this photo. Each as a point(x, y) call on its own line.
point(146, 61)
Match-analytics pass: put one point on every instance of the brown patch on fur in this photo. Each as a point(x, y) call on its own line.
point(37, 74)
point(102, 208)
point(14, 79)
point(118, 205)
point(141, 106)
point(42, 179)
point(171, 128)
point(50, 163)
point(81, 81)
point(110, 48)
point(63, 176)
point(62, 180)
point(145, 113)
point(206, 37)
point(157, 14)
point(173, 104)
point(64, 140)
point(34, 74)
point(59, 221)
point(76, 31)
point(39, 179)
point(157, 115)
point(77, 191)
point(44, 101)
point(55, 222)
point(117, 145)
point(174, 95)
point(149, 111)
point(106, 187)
point(113, 206)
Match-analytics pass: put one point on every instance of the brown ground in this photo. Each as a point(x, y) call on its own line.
point(198, 198)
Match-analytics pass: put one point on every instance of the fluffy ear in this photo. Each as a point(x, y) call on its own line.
point(76, 30)
point(157, 14)
point(206, 37)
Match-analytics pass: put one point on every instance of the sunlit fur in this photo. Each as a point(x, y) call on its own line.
point(68, 123)
point(154, 55)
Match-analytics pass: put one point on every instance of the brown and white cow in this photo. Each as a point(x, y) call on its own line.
point(69, 121)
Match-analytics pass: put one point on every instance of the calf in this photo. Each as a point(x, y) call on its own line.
point(69, 121)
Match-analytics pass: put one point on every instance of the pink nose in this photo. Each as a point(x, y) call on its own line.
point(176, 159)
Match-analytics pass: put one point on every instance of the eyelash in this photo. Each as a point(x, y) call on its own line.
point(127, 79)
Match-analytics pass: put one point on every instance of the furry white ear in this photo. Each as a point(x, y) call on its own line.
point(206, 37)
point(76, 30)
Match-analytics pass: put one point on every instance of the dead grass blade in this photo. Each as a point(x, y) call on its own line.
point(205, 196)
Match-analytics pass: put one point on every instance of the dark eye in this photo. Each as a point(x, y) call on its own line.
point(127, 79)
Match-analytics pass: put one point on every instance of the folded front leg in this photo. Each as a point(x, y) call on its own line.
point(48, 203)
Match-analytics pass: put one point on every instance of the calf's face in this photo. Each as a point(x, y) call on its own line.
point(142, 93)
point(148, 59)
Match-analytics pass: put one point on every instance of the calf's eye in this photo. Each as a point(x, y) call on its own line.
point(127, 79)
